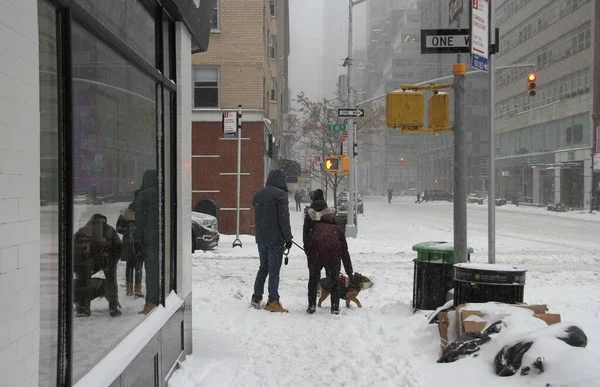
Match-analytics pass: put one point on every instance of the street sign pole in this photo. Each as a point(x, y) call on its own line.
point(237, 241)
point(351, 231)
point(460, 165)
point(492, 163)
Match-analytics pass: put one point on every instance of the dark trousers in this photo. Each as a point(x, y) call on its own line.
point(333, 281)
point(134, 266)
point(85, 292)
point(298, 206)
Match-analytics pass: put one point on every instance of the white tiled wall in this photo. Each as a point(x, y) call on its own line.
point(184, 159)
point(19, 194)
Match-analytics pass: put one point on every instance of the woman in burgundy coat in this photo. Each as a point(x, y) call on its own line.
point(326, 248)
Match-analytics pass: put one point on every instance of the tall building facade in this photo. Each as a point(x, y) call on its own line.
point(246, 64)
point(543, 141)
point(436, 153)
point(96, 106)
point(387, 158)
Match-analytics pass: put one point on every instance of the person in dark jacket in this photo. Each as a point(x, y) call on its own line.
point(146, 235)
point(97, 246)
point(298, 200)
point(273, 235)
point(327, 248)
point(317, 205)
point(390, 192)
point(126, 227)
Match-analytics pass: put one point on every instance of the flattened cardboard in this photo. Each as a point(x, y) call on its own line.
point(463, 326)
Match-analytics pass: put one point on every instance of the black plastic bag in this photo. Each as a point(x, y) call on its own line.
point(466, 345)
point(575, 337)
point(508, 360)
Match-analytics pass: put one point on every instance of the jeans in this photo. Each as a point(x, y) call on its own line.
point(271, 258)
point(150, 254)
point(134, 266)
point(333, 279)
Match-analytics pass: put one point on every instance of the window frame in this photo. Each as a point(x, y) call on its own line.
point(273, 91)
point(273, 8)
point(194, 67)
point(217, 13)
point(273, 46)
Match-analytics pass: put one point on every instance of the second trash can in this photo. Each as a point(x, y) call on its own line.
point(434, 274)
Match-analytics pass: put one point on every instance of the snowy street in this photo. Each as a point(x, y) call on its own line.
point(382, 344)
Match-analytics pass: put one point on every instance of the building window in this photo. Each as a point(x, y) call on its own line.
point(574, 135)
point(49, 194)
point(206, 87)
point(273, 47)
point(116, 178)
point(215, 20)
point(273, 94)
point(273, 7)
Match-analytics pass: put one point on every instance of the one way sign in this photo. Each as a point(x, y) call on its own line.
point(351, 113)
point(445, 41)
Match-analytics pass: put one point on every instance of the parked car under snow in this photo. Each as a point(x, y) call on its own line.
point(205, 231)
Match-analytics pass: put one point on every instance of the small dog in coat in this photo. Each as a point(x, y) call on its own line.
point(349, 288)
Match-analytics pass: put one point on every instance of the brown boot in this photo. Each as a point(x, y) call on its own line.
point(129, 288)
point(275, 306)
point(138, 291)
point(148, 308)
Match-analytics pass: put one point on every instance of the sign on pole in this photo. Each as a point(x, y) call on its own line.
point(230, 124)
point(351, 112)
point(336, 127)
point(446, 41)
point(480, 34)
point(455, 8)
point(345, 143)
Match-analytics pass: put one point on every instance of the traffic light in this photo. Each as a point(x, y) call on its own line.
point(401, 159)
point(531, 84)
point(337, 164)
point(332, 164)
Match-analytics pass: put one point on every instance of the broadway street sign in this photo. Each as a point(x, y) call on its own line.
point(448, 41)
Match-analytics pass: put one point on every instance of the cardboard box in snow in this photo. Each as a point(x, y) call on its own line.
point(477, 317)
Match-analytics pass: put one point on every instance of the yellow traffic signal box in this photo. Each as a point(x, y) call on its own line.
point(405, 109)
point(438, 112)
point(337, 164)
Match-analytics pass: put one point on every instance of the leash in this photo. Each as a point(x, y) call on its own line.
point(297, 245)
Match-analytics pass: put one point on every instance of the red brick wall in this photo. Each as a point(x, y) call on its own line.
point(207, 139)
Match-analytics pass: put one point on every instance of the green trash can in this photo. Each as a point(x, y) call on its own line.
point(433, 274)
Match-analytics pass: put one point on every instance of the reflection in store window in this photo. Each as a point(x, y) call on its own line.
point(49, 221)
point(115, 211)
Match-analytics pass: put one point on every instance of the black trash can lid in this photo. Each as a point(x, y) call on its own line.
point(489, 273)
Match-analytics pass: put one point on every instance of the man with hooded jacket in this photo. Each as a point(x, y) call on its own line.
point(273, 236)
point(146, 235)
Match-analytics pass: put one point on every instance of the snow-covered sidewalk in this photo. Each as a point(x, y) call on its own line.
point(383, 344)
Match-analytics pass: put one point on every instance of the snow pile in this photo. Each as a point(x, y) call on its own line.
point(522, 350)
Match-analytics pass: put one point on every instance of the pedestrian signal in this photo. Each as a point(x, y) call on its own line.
point(337, 164)
point(531, 84)
point(332, 164)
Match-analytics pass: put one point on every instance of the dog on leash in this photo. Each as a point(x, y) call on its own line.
point(349, 288)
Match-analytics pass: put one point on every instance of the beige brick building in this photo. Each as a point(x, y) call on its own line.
point(246, 64)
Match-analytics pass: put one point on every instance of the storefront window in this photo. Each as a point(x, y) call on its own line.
point(49, 192)
point(129, 20)
point(116, 184)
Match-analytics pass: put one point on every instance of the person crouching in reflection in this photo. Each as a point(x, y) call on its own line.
point(126, 227)
point(146, 235)
point(97, 247)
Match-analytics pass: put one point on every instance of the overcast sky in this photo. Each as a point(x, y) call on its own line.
point(307, 41)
